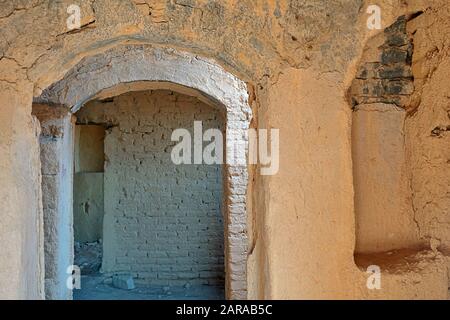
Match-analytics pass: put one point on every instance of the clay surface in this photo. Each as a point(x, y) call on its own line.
point(363, 116)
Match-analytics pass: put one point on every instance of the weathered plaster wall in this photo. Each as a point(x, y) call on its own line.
point(315, 224)
point(314, 121)
point(21, 229)
point(383, 208)
point(427, 126)
point(308, 39)
point(379, 95)
point(56, 145)
point(163, 222)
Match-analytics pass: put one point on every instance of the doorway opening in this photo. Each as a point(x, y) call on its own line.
point(88, 197)
point(123, 69)
point(146, 228)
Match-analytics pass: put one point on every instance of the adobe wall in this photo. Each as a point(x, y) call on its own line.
point(56, 145)
point(298, 59)
point(427, 127)
point(379, 96)
point(21, 230)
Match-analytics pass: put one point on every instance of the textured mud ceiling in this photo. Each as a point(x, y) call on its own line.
point(312, 69)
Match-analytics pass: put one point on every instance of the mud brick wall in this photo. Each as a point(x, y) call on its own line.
point(163, 222)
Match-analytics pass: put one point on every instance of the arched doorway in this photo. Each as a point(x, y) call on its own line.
point(132, 68)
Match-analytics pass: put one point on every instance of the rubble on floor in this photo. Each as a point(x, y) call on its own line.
point(99, 287)
point(88, 256)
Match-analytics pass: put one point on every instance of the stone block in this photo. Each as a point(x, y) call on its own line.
point(394, 55)
point(125, 282)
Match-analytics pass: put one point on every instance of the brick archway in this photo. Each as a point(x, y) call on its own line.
point(132, 67)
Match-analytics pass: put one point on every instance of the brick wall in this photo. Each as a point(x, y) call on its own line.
point(163, 222)
point(384, 75)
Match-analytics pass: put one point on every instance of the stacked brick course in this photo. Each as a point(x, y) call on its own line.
point(385, 75)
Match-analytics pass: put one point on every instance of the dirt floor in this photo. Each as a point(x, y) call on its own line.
point(96, 287)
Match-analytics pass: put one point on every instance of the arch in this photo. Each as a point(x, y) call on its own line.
point(133, 67)
point(132, 63)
